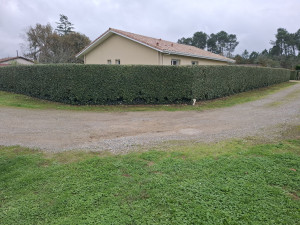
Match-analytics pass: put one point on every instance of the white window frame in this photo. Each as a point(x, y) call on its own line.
point(109, 61)
point(175, 62)
point(195, 63)
point(118, 61)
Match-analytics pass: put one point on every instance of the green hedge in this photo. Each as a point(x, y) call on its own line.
point(115, 84)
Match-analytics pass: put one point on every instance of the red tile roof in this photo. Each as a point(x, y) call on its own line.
point(161, 45)
point(13, 58)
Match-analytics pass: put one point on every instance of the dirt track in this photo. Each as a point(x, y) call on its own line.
point(55, 130)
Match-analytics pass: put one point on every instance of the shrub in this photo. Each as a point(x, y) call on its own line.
point(293, 75)
point(134, 84)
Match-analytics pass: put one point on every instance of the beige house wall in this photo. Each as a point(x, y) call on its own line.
point(23, 61)
point(130, 52)
point(127, 51)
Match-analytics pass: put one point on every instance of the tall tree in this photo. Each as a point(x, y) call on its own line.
point(64, 48)
point(64, 26)
point(245, 54)
point(281, 40)
point(231, 44)
point(185, 41)
point(292, 43)
point(285, 51)
point(38, 41)
point(239, 59)
point(297, 40)
point(212, 43)
point(45, 45)
point(222, 43)
point(247, 58)
point(222, 40)
point(219, 43)
point(265, 52)
point(275, 50)
point(253, 56)
point(199, 40)
point(285, 44)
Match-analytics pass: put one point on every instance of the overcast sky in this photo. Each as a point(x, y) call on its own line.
point(253, 21)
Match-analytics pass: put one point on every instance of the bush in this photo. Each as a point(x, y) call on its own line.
point(134, 84)
point(297, 67)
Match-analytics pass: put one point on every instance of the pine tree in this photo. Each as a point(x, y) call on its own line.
point(64, 26)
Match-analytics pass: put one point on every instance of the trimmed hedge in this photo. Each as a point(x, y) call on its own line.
point(134, 84)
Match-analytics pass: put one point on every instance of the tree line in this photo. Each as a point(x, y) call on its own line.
point(220, 43)
point(44, 44)
point(285, 52)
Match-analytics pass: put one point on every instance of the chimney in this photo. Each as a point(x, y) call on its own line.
point(172, 44)
point(157, 44)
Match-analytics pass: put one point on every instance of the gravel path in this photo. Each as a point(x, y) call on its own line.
point(54, 130)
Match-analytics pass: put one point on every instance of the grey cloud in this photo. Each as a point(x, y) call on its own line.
point(253, 21)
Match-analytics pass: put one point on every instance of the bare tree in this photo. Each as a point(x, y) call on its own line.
point(38, 40)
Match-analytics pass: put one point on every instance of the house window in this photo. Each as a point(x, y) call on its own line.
point(118, 62)
point(194, 62)
point(175, 62)
point(108, 61)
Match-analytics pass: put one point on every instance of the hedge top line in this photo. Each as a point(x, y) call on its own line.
point(154, 66)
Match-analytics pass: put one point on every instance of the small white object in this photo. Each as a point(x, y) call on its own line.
point(194, 101)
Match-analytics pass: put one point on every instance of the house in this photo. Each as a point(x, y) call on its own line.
point(121, 47)
point(18, 60)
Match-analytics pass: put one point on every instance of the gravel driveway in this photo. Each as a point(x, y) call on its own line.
point(55, 130)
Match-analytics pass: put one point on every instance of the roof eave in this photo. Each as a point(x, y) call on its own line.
point(198, 56)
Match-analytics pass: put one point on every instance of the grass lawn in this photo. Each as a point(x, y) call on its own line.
point(233, 182)
point(22, 101)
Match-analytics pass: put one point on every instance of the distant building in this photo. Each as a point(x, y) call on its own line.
point(18, 60)
point(121, 47)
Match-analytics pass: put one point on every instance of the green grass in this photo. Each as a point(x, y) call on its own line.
point(22, 101)
point(233, 182)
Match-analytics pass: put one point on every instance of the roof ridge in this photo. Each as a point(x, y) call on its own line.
point(135, 34)
point(158, 39)
point(130, 33)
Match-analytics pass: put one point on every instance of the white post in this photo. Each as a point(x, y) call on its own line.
point(194, 101)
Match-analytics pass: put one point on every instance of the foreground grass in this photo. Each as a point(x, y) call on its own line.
point(226, 183)
point(22, 101)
